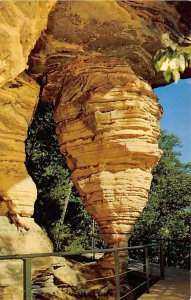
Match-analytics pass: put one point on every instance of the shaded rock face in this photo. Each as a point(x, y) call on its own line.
point(18, 99)
point(127, 31)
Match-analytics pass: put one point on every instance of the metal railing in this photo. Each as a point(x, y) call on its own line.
point(173, 249)
point(27, 266)
point(176, 251)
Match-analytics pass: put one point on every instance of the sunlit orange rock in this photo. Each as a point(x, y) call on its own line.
point(94, 63)
point(107, 122)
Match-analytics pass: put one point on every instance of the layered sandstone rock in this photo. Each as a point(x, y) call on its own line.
point(18, 231)
point(94, 70)
point(108, 131)
point(129, 31)
point(98, 52)
point(18, 99)
point(95, 65)
point(21, 23)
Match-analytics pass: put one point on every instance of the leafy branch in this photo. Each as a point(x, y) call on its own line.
point(173, 60)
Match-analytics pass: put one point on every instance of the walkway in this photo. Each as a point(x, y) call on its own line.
point(176, 286)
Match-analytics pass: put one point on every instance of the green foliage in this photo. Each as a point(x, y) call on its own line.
point(46, 166)
point(49, 171)
point(169, 208)
point(172, 60)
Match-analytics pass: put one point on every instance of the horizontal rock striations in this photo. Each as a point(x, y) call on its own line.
point(129, 31)
point(18, 99)
point(107, 122)
point(21, 24)
point(95, 68)
point(19, 233)
point(94, 63)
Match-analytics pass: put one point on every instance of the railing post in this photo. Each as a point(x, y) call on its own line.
point(93, 239)
point(144, 260)
point(147, 267)
point(168, 253)
point(162, 273)
point(128, 251)
point(27, 271)
point(117, 278)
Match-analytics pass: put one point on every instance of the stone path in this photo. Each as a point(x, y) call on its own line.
point(176, 286)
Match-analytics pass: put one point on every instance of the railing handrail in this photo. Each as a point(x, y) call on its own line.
point(27, 264)
point(73, 253)
point(160, 239)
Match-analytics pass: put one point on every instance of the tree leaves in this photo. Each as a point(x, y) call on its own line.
point(49, 171)
point(167, 75)
point(169, 208)
point(173, 60)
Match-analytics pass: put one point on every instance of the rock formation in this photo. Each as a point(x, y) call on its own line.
point(97, 71)
point(20, 27)
point(94, 63)
point(18, 99)
point(108, 131)
point(21, 24)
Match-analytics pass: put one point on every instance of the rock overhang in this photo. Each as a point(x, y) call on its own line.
point(115, 118)
point(122, 32)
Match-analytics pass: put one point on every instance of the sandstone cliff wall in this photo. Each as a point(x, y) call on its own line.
point(94, 64)
point(21, 24)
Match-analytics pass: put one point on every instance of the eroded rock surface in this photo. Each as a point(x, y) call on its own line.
point(97, 71)
point(94, 64)
point(127, 31)
point(21, 23)
point(18, 99)
point(19, 233)
point(108, 131)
